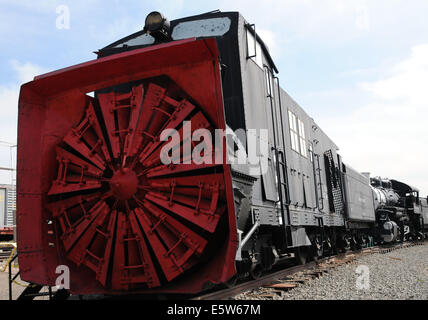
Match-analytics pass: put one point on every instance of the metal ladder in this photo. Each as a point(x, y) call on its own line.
point(281, 161)
point(318, 182)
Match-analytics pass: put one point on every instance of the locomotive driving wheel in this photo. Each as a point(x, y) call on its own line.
point(256, 272)
point(317, 247)
point(344, 243)
point(122, 212)
point(301, 255)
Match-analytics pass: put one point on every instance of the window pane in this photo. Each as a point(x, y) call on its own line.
point(302, 129)
point(257, 55)
point(303, 150)
point(268, 83)
point(290, 119)
point(144, 39)
point(296, 141)
point(292, 140)
point(202, 28)
point(250, 43)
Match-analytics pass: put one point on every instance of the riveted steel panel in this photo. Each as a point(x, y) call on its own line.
point(359, 196)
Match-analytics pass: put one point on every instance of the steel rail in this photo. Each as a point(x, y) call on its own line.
point(262, 281)
point(271, 278)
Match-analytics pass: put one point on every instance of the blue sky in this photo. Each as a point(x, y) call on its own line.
point(359, 67)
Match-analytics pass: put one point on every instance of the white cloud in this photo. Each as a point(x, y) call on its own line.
point(25, 72)
point(295, 17)
point(47, 6)
point(389, 135)
point(332, 22)
point(9, 95)
point(8, 112)
point(363, 17)
point(270, 40)
point(409, 81)
point(8, 126)
point(171, 9)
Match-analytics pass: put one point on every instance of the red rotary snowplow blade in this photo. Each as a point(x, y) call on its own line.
point(93, 194)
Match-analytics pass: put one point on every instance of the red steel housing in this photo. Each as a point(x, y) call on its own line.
point(92, 193)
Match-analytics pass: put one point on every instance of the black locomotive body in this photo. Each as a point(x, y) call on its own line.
point(308, 202)
point(399, 210)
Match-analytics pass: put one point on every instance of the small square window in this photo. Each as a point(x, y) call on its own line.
point(293, 131)
point(269, 82)
point(302, 136)
point(254, 49)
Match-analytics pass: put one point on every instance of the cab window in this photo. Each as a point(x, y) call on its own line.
point(293, 131)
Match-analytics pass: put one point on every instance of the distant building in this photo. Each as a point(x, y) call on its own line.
point(7, 205)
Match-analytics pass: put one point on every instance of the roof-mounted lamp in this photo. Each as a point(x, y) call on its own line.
point(157, 26)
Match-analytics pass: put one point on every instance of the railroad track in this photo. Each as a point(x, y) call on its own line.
point(4, 255)
point(6, 250)
point(292, 277)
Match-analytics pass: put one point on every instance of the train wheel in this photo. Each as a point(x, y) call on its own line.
point(355, 245)
point(343, 243)
point(256, 272)
point(317, 248)
point(231, 282)
point(301, 255)
point(363, 242)
point(327, 246)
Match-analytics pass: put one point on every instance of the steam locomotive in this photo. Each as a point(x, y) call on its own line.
point(399, 210)
point(95, 196)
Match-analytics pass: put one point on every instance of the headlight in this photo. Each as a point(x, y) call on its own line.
point(157, 25)
point(388, 225)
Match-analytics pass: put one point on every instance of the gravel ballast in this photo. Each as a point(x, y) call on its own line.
point(399, 275)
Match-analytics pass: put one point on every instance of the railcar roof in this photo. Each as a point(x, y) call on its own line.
point(403, 186)
point(216, 13)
